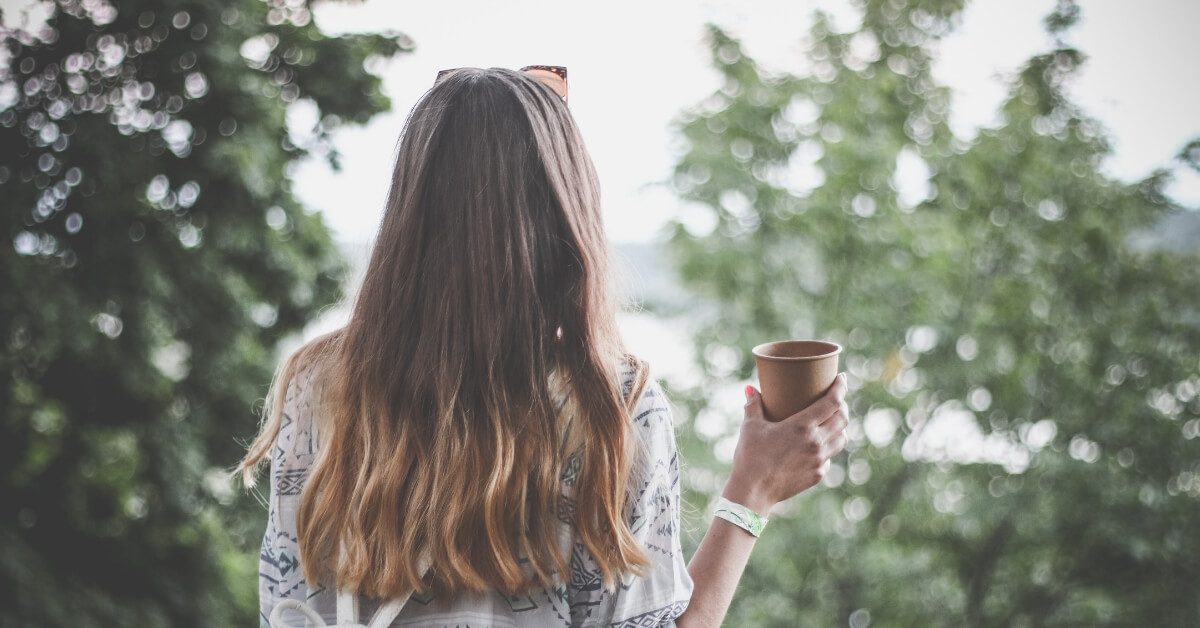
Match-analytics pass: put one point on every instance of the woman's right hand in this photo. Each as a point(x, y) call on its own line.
point(777, 460)
point(772, 462)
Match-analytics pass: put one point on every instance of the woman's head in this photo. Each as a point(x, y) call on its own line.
point(495, 206)
point(485, 305)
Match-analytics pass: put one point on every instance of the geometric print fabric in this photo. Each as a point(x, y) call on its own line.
point(655, 599)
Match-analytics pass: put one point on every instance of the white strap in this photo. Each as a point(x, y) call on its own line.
point(388, 612)
point(347, 608)
point(347, 612)
point(276, 619)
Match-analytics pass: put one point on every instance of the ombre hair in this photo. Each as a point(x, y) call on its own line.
point(481, 355)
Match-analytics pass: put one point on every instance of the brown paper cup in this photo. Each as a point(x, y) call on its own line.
point(794, 373)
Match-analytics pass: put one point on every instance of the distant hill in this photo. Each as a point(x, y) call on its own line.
point(644, 274)
point(646, 277)
point(1179, 231)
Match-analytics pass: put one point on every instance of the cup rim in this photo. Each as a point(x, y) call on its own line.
point(833, 349)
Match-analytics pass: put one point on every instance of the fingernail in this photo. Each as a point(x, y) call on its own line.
point(749, 391)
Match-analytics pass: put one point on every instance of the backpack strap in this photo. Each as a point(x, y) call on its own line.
point(388, 612)
point(347, 608)
point(347, 612)
point(276, 619)
point(384, 615)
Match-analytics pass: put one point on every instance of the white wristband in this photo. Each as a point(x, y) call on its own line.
point(741, 516)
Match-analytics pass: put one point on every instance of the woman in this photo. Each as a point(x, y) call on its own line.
point(477, 435)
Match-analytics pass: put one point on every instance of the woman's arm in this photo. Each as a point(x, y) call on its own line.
point(773, 461)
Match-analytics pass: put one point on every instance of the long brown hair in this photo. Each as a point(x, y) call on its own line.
point(486, 303)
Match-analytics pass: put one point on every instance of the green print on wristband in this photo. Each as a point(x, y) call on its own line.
point(741, 516)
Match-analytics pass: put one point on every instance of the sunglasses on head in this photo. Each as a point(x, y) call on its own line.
point(553, 76)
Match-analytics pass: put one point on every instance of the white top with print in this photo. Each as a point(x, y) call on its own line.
point(578, 600)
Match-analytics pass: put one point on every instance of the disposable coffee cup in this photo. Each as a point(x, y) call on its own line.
point(792, 374)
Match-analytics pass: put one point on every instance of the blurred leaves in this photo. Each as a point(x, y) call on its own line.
point(1024, 446)
point(155, 257)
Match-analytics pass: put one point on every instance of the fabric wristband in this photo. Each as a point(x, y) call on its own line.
point(741, 516)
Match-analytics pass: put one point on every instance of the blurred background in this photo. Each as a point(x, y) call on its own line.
point(992, 206)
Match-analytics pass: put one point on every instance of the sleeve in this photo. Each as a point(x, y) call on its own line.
point(279, 574)
point(662, 593)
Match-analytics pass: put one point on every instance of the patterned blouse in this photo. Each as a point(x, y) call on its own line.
point(578, 599)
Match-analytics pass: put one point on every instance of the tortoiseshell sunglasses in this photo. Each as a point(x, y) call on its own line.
point(553, 76)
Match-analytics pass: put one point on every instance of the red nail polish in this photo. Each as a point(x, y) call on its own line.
point(749, 391)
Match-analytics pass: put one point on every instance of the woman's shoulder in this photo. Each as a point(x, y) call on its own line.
point(636, 378)
point(651, 413)
point(298, 440)
point(304, 371)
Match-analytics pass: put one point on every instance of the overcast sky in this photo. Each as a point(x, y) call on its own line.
point(635, 65)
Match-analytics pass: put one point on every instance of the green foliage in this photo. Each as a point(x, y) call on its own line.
point(1024, 449)
point(156, 256)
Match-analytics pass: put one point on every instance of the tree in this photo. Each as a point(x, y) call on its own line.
point(1025, 379)
point(157, 257)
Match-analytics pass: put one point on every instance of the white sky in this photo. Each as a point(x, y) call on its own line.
point(635, 66)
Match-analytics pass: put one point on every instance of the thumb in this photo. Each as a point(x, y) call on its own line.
point(754, 406)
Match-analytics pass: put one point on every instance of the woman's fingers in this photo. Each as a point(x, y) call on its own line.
point(824, 468)
point(834, 445)
point(754, 407)
point(827, 406)
point(819, 423)
point(836, 424)
point(775, 461)
point(837, 400)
